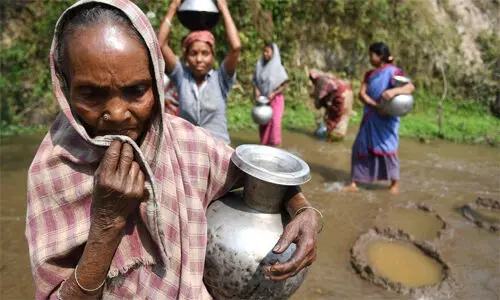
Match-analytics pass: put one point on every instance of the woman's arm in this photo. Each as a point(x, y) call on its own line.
point(164, 34)
point(94, 263)
point(119, 189)
point(256, 92)
point(279, 90)
point(231, 60)
point(364, 96)
point(406, 89)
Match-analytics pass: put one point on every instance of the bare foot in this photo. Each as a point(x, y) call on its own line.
point(353, 187)
point(394, 188)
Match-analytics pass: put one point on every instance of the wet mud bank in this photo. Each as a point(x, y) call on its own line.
point(484, 212)
point(403, 264)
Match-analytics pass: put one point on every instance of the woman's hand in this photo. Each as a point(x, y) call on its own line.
point(389, 94)
point(271, 96)
point(118, 187)
point(302, 230)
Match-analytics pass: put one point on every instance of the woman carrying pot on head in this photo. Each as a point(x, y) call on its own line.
point(202, 91)
point(335, 96)
point(270, 80)
point(375, 150)
point(118, 190)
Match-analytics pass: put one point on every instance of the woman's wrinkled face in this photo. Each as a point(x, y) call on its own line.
point(375, 60)
point(268, 53)
point(108, 74)
point(200, 58)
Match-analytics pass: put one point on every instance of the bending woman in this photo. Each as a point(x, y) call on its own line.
point(202, 90)
point(375, 150)
point(118, 189)
point(335, 95)
point(270, 80)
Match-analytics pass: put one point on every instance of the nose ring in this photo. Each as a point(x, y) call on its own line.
point(106, 117)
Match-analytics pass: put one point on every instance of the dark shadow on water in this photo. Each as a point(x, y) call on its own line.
point(373, 186)
point(328, 173)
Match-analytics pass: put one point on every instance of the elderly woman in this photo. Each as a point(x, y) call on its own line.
point(202, 90)
point(118, 190)
point(270, 81)
point(335, 96)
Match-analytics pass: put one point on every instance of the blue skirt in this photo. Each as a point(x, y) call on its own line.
point(372, 167)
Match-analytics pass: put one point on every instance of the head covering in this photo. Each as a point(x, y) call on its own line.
point(324, 85)
point(199, 36)
point(270, 75)
point(167, 235)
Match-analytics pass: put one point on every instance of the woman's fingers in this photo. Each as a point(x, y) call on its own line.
point(300, 258)
point(286, 238)
point(133, 172)
point(126, 159)
point(275, 274)
point(111, 157)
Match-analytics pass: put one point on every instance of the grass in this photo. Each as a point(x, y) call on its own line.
point(7, 130)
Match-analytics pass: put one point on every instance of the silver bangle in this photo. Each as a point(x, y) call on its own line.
point(316, 210)
point(87, 290)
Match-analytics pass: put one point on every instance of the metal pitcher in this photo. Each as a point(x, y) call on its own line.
point(400, 105)
point(244, 227)
point(198, 14)
point(262, 113)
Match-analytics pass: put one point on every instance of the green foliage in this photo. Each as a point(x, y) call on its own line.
point(340, 29)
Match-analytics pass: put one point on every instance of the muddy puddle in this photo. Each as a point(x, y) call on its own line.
point(441, 175)
point(421, 223)
point(403, 263)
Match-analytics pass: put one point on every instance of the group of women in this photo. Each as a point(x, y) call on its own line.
point(118, 189)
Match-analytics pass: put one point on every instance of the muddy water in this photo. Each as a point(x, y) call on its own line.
point(403, 263)
point(441, 175)
point(420, 224)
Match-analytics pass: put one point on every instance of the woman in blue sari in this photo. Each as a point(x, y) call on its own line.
point(375, 150)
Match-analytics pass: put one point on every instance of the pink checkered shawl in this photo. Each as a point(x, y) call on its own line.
point(162, 253)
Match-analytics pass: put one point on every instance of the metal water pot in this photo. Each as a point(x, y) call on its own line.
point(198, 14)
point(321, 130)
point(244, 227)
point(400, 105)
point(262, 113)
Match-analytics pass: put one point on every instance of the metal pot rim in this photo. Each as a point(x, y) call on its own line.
point(241, 158)
point(263, 100)
point(200, 6)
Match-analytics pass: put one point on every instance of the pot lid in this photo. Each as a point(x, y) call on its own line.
point(271, 164)
point(199, 5)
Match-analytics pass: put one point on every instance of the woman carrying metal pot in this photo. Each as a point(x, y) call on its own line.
point(375, 150)
point(270, 80)
point(202, 90)
point(118, 191)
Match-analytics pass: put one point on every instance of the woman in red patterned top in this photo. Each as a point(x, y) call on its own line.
point(335, 95)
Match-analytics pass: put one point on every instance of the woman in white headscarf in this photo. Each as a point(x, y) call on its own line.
point(270, 80)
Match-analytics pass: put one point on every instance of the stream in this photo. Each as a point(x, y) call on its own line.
point(441, 175)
